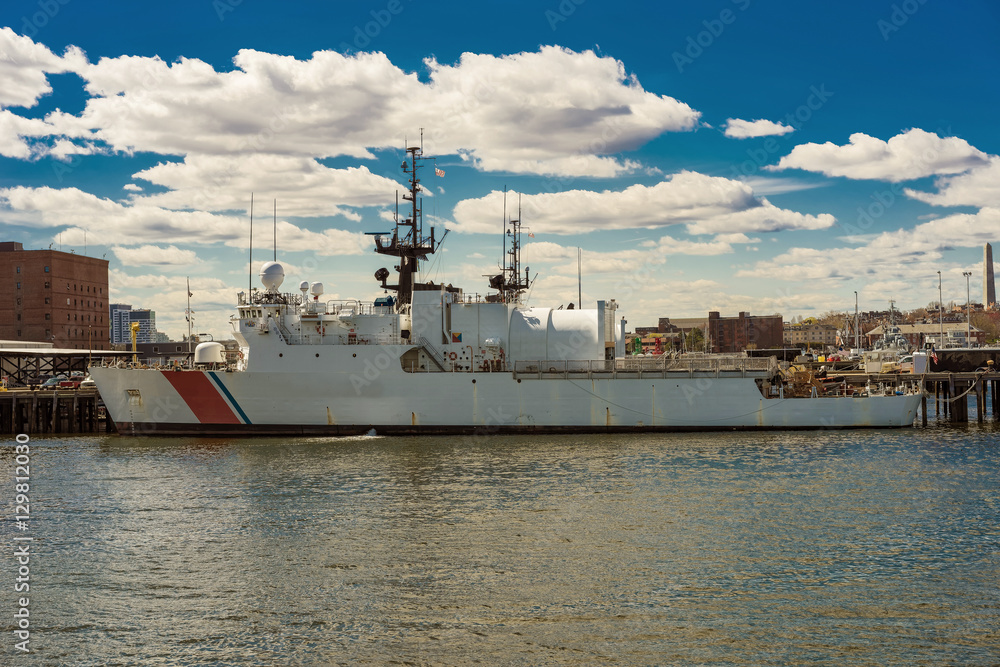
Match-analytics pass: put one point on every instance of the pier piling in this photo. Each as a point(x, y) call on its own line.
point(61, 411)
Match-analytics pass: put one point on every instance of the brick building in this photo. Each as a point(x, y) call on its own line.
point(810, 335)
point(744, 332)
point(53, 296)
point(724, 334)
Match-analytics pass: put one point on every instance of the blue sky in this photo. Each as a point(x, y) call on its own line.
point(732, 155)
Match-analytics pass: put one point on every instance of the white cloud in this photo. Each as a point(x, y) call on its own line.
point(554, 111)
point(104, 218)
point(706, 204)
point(746, 129)
point(905, 254)
point(979, 187)
point(24, 64)
point(628, 261)
point(151, 255)
point(912, 154)
point(301, 186)
point(14, 129)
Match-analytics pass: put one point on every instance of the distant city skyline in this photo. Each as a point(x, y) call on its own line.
point(737, 157)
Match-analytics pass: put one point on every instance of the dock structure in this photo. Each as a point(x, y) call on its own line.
point(52, 412)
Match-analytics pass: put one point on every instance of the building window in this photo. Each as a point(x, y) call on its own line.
point(46, 269)
point(46, 284)
point(48, 300)
point(19, 317)
point(19, 333)
point(67, 317)
point(48, 316)
point(19, 301)
point(19, 284)
point(48, 333)
point(155, 349)
point(18, 269)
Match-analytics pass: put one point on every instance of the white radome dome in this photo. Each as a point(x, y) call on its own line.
point(272, 274)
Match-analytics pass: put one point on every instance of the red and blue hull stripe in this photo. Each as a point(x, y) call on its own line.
point(207, 396)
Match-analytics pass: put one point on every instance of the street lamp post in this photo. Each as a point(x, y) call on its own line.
point(968, 309)
point(857, 330)
point(940, 311)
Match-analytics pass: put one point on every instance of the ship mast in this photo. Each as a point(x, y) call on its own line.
point(407, 242)
point(509, 283)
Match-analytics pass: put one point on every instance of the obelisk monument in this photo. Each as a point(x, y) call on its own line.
point(989, 287)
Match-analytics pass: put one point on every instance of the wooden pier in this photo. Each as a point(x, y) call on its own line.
point(952, 393)
point(60, 411)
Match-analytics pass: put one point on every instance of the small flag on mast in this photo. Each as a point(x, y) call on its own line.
point(530, 235)
point(438, 172)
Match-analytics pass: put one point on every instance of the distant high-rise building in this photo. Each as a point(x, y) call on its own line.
point(122, 316)
point(989, 287)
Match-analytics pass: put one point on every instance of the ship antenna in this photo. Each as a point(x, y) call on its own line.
point(250, 269)
point(503, 253)
point(275, 233)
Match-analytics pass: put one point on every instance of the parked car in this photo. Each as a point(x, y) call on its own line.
point(53, 382)
point(88, 383)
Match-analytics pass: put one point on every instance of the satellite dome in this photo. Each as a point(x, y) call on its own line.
point(316, 289)
point(210, 353)
point(271, 274)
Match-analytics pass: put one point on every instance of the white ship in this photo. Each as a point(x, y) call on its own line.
point(432, 359)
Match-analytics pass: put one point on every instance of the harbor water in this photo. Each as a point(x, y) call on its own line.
point(819, 547)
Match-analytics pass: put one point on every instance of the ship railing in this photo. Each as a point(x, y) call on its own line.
point(338, 306)
point(341, 339)
point(648, 367)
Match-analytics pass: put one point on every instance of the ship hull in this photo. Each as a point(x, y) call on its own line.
point(351, 402)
